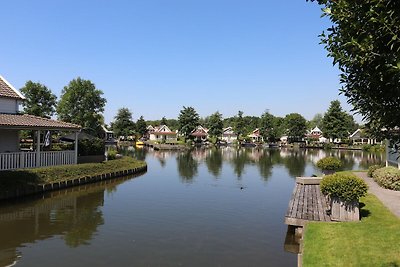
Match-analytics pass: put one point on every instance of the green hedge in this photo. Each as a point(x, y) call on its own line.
point(329, 163)
point(373, 168)
point(91, 147)
point(344, 185)
point(388, 177)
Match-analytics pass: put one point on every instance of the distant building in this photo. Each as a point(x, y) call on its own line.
point(316, 134)
point(228, 135)
point(162, 134)
point(256, 136)
point(360, 138)
point(200, 134)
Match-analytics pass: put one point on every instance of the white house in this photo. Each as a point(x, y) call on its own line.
point(316, 133)
point(161, 134)
point(359, 137)
point(228, 135)
point(256, 136)
point(200, 134)
point(11, 122)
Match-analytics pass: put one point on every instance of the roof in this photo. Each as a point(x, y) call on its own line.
point(7, 90)
point(24, 121)
point(316, 129)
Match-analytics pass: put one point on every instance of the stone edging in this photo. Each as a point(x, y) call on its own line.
point(36, 189)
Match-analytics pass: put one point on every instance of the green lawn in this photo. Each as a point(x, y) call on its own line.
point(11, 180)
point(374, 241)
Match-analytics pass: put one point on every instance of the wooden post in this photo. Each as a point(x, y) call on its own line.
point(38, 148)
point(76, 147)
point(387, 152)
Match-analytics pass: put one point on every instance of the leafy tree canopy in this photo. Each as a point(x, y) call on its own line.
point(188, 121)
point(141, 126)
point(364, 42)
point(266, 125)
point(295, 125)
point(123, 124)
point(239, 124)
point(336, 123)
point(215, 124)
point(82, 103)
point(40, 101)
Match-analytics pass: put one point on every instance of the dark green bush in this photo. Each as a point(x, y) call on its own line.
point(91, 147)
point(329, 163)
point(344, 185)
point(328, 146)
point(111, 154)
point(373, 168)
point(388, 177)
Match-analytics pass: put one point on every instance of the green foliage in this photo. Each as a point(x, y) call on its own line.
point(344, 185)
point(40, 101)
point(81, 103)
point(112, 154)
point(215, 125)
point(316, 121)
point(163, 121)
point(373, 148)
point(123, 124)
point(188, 121)
point(141, 126)
point(267, 125)
point(91, 147)
point(373, 168)
point(336, 123)
point(328, 146)
point(387, 177)
point(296, 126)
point(364, 42)
point(239, 125)
point(329, 163)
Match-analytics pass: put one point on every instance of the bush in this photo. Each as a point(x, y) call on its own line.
point(373, 168)
point(112, 154)
point(328, 146)
point(388, 177)
point(329, 163)
point(91, 147)
point(344, 185)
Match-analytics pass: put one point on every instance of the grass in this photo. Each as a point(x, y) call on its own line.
point(374, 241)
point(11, 180)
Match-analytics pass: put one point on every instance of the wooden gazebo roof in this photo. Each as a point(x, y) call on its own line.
point(29, 122)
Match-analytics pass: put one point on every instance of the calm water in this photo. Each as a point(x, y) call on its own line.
point(207, 207)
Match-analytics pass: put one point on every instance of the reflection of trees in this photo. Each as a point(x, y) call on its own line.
point(214, 161)
point(187, 166)
point(239, 161)
point(295, 163)
point(266, 162)
point(137, 153)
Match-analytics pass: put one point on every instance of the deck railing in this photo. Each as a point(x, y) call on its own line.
point(20, 160)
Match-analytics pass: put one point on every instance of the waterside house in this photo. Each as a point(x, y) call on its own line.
point(200, 134)
point(228, 135)
point(256, 136)
point(12, 122)
point(161, 134)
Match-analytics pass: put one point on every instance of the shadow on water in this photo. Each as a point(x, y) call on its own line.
point(74, 213)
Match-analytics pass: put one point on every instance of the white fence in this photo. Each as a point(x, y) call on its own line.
point(19, 160)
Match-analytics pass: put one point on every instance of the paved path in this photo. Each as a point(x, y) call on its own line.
point(390, 198)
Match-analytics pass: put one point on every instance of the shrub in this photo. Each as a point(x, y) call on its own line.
point(329, 163)
point(91, 147)
point(344, 185)
point(388, 177)
point(111, 154)
point(373, 168)
point(328, 146)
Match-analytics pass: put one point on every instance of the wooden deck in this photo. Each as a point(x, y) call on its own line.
point(307, 204)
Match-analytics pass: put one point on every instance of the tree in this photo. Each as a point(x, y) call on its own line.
point(163, 121)
point(239, 125)
point(81, 103)
point(267, 125)
point(296, 126)
point(141, 126)
point(215, 125)
point(336, 122)
point(40, 101)
point(188, 121)
point(123, 124)
point(316, 121)
point(364, 42)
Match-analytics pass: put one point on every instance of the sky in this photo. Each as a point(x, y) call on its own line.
point(156, 56)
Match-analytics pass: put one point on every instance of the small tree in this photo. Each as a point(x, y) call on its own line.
point(40, 101)
point(123, 124)
point(239, 125)
point(336, 122)
point(188, 121)
point(164, 121)
point(141, 127)
point(215, 125)
point(267, 126)
point(296, 126)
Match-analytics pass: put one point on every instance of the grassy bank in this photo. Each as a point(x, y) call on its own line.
point(11, 180)
point(374, 241)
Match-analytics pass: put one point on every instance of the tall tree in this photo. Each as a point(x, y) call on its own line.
point(364, 42)
point(163, 121)
point(336, 122)
point(141, 126)
point(123, 124)
point(83, 104)
point(316, 121)
point(239, 124)
point(215, 125)
point(188, 121)
point(267, 125)
point(40, 101)
point(296, 126)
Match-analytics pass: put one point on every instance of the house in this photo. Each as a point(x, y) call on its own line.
point(360, 138)
point(12, 122)
point(255, 136)
point(108, 135)
point(316, 134)
point(228, 135)
point(161, 134)
point(200, 134)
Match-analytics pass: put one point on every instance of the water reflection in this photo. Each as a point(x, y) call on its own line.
point(214, 162)
point(74, 214)
point(187, 166)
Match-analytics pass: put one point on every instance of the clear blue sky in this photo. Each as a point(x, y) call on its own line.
point(156, 56)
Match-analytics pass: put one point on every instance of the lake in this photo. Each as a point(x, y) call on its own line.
point(206, 207)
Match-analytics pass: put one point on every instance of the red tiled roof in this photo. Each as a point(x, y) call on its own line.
point(23, 121)
point(7, 90)
point(163, 133)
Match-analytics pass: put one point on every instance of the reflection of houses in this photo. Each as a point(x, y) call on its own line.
point(255, 136)
point(162, 134)
point(360, 138)
point(200, 134)
point(11, 122)
point(228, 135)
